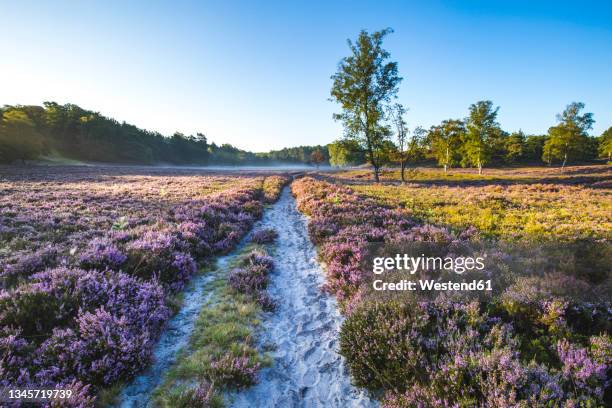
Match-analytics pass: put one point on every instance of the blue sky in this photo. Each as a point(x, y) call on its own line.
point(256, 74)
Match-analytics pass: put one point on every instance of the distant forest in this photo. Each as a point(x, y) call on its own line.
point(29, 132)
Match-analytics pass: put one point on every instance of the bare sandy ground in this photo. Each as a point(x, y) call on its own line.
point(302, 332)
point(307, 370)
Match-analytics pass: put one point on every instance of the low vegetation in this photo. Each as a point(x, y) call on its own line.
point(93, 259)
point(222, 355)
point(508, 204)
point(541, 337)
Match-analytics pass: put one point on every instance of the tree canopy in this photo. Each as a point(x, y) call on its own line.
point(364, 84)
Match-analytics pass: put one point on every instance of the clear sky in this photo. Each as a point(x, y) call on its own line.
point(257, 73)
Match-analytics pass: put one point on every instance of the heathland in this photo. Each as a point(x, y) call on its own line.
point(110, 286)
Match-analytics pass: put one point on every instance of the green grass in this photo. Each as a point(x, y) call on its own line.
point(225, 326)
point(545, 208)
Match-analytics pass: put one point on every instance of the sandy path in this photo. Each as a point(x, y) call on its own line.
point(307, 371)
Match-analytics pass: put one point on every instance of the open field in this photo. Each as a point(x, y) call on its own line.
point(527, 203)
point(136, 285)
point(540, 337)
point(92, 260)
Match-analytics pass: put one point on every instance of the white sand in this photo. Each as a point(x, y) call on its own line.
point(307, 370)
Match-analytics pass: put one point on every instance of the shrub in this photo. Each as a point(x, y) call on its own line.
point(251, 278)
point(35, 310)
point(102, 254)
point(27, 264)
point(158, 255)
point(272, 187)
point(264, 236)
point(234, 372)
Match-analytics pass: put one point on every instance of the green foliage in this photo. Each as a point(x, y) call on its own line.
point(569, 139)
point(298, 155)
point(363, 85)
point(533, 148)
point(483, 133)
point(605, 144)
point(514, 146)
point(27, 132)
point(345, 153)
point(378, 355)
point(19, 138)
point(444, 142)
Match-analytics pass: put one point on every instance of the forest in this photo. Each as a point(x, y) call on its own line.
point(29, 132)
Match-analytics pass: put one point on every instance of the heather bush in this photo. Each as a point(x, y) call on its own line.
point(102, 254)
point(81, 397)
point(15, 354)
point(272, 187)
point(442, 353)
point(197, 236)
point(251, 278)
point(34, 310)
point(89, 257)
point(533, 341)
point(159, 255)
point(26, 264)
point(97, 327)
point(264, 236)
point(234, 372)
point(258, 259)
point(266, 302)
point(248, 280)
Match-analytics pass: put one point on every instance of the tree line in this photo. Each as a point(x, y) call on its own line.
point(366, 86)
point(29, 132)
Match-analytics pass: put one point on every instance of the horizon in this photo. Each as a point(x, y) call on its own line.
point(258, 76)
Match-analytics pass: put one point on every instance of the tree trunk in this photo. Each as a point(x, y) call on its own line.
point(447, 160)
point(376, 178)
point(564, 160)
point(403, 168)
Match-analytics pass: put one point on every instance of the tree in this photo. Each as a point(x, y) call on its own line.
point(444, 142)
point(396, 113)
point(19, 139)
point(605, 144)
point(533, 148)
point(482, 130)
point(364, 85)
point(344, 153)
point(317, 158)
point(569, 139)
point(514, 147)
point(416, 145)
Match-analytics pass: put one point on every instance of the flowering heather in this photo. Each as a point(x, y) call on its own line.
point(264, 236)
point(539, 340)
point(272, 187)
point(251, 278)
point(238, 372)
point(89, 256)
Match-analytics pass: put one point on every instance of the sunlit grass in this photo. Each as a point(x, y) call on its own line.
point(515, 209)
